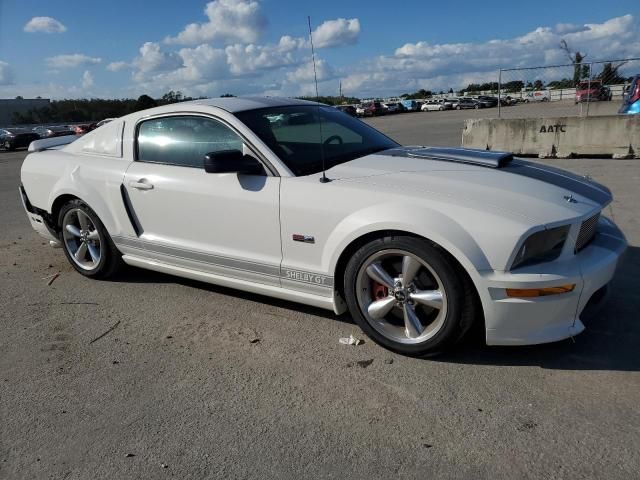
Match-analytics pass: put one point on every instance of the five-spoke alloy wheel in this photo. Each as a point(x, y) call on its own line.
point(81, 239)
point(86, 242)
point(401, 296)
point(408, 295)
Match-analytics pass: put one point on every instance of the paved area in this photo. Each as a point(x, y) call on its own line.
point(215, 383)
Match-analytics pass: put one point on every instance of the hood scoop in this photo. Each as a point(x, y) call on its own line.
point(482, 158)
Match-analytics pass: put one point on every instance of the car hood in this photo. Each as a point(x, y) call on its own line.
point(483, 180)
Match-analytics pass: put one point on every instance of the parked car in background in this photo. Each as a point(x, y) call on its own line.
point(410, 105)
point(454, 102)
point(467, 103)
point(631, 99)
point(82, 129)
point(432, 106)
point(53, 131)
point(393, 107)
point(447, 103)
point(508, 101)
point(371, 109)
point(487, 101)
point(348, 109)
point(537, 96)
point(592, 91)
point(12, 138)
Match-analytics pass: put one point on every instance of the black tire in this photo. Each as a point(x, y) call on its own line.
point(458, 107)
point(9, 146)
point(460, 297)
point(110, 259)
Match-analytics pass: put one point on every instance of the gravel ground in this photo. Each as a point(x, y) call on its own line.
point(198, 381)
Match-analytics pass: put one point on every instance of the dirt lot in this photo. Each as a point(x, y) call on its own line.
point(215, 383)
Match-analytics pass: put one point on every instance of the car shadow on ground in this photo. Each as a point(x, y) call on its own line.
point(139, 275)
point(610, 342)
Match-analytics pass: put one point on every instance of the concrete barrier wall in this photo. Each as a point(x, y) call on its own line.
point(615, 135)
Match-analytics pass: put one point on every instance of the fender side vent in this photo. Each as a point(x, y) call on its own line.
point(135, 223)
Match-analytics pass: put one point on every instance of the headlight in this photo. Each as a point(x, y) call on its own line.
point(542, 246)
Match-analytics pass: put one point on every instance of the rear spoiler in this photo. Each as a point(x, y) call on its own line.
point(47, 143)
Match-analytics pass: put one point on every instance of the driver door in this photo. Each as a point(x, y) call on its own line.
point(221, 223)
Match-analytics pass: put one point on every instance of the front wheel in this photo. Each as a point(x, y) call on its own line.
point(8, 145)
point(407, 295)
point(86, 242)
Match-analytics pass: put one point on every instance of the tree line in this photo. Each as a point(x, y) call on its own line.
point(94, 109)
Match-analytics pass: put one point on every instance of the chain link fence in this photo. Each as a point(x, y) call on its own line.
point(576, 89)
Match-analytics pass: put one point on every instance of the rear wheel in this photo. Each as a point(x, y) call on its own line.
point(406, 295)
point(86, 242)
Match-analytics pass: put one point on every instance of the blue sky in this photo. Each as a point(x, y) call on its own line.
point(74, 49)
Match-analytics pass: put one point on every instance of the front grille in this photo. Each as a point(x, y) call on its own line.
point(587, 232)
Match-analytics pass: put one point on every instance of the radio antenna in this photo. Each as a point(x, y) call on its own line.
point(324, 178)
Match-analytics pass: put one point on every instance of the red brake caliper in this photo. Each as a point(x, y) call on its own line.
point(378, 291)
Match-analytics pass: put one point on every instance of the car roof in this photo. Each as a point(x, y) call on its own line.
point(240, 104)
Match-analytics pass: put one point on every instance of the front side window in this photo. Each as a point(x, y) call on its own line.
point(183, 140)
point(301, 135)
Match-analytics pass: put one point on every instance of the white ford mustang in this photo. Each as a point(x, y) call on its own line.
point(417, 243)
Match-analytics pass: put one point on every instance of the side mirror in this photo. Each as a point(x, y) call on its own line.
point(232, 161)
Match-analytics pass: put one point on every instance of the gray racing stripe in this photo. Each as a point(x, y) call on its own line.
point(299, 280)
point(560, 178)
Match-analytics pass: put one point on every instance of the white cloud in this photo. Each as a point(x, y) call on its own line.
point(87, 80)
point(117, 66)
point(204, 64)
point(246, 59)
point(443, 65)
point(228, 20)
point(236, 24)
point(190, 70)
point(304, 73)
point(153, 59)
point(6, 74)
point(563, 28)
point(44, 25)
point(335, 33)
point(72, 60)
point(224, 54)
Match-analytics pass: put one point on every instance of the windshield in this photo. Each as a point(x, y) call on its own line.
point(293, 133)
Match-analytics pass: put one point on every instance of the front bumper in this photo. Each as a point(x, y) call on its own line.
point(527, 321)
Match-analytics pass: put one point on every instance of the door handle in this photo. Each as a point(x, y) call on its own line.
point(142, 184)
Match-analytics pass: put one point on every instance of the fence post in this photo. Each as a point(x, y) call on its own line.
point(499, 92)
point(589, 89)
